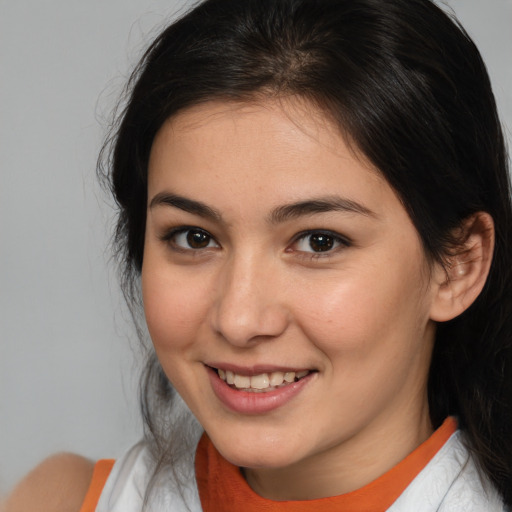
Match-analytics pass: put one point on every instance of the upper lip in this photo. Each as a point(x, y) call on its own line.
point(257, 369)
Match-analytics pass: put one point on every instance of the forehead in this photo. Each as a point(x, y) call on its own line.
point(293, 116)
point(276, 138)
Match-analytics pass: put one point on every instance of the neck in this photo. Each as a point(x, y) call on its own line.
point(347, 467)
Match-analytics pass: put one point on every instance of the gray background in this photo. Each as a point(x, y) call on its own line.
point(68, 370)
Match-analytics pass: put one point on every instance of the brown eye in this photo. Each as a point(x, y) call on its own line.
point(198, 239)
point(320, 242)
point(315, 242)
point(192, 239)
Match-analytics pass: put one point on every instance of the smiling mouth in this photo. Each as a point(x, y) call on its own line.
point(261, 383)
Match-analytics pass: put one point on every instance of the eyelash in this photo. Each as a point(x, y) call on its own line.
point(334, 241)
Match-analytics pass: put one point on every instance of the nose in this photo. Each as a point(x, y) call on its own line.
point(248, 308)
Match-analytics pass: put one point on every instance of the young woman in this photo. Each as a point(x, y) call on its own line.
point(315, 214)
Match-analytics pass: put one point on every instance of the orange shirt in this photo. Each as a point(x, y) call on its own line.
point(222, 486)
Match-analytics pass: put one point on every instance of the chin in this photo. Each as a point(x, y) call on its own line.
point(266, 453)
point(259, 460)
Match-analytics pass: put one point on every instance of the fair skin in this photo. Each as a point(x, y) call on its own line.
point(271, 247)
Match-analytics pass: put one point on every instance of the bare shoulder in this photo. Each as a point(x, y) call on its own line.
point(58, 484)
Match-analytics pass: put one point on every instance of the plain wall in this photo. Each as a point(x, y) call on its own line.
point(68, 375)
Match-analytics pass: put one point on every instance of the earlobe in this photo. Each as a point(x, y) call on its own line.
point(460, 280)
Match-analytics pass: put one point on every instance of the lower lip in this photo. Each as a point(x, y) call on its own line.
point(246, 402)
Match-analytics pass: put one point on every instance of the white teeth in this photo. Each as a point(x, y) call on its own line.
point(289, 376)
point(263, 381)
point(241, 381)
point(259, 381)
point(276, 378)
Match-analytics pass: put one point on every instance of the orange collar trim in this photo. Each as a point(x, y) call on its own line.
point(222, 486)
point(102, 470)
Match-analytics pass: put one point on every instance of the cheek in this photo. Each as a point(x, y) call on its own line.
point(360, 312)
point(174, 308)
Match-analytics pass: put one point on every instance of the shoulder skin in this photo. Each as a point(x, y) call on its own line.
point(58, 484)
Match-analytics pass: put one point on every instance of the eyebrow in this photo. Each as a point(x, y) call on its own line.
point(187, 205)
point(278, 215)
point(318, 205)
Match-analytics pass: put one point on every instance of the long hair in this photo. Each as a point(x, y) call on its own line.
point(408, 86)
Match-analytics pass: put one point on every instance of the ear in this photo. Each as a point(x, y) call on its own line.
point(458, 282)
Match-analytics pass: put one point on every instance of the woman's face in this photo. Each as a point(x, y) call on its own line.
point(273, 253)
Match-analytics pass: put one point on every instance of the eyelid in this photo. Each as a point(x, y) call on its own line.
point(168, 234)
